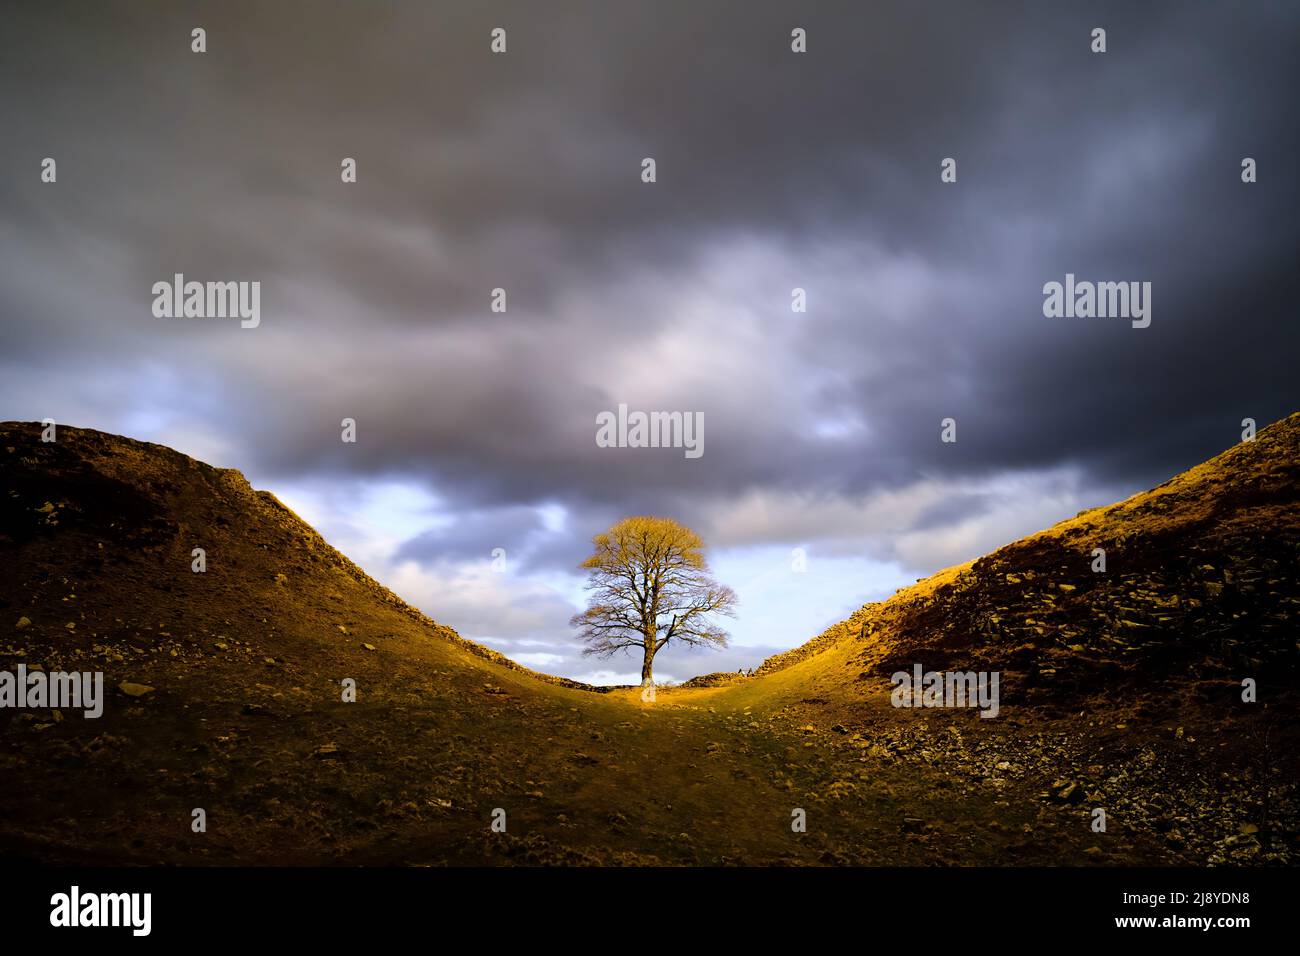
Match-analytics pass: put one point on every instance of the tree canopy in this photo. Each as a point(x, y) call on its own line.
point(650, 585)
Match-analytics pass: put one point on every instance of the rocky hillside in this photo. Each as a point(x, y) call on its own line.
point(1121, 684)
point(1194, 582)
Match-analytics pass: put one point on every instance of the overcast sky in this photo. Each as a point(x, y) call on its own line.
point(775, 170)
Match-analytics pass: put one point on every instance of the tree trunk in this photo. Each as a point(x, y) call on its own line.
point(647, 668)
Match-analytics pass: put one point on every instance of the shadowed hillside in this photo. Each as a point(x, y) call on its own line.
point(1120, 689)
point(1124, 685)
point(1199, 586)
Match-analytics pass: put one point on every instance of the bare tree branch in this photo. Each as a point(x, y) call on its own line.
point(650, 586)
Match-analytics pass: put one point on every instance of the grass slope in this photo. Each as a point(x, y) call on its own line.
point(245, 717)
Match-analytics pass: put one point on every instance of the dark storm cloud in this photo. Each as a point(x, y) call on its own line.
point(775, 171)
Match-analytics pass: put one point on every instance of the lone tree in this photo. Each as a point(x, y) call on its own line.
point(649, 586)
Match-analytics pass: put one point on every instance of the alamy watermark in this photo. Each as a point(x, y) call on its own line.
point(946, 689)
point(208, 300)
point(1102, 300)
point(624, 429)
point(75, 908)
point(37, 689)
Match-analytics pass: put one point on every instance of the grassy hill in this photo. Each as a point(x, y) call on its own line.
point(1121, 689)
